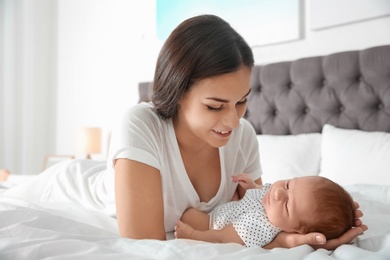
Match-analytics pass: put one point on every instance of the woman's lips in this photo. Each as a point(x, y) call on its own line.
point(223, 133)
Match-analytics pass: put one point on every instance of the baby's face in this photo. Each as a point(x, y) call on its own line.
point(289, 202)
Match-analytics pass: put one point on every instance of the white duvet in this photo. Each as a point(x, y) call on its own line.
point(75, 230)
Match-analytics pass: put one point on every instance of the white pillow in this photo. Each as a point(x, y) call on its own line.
point(353, 156)
point(288, 156)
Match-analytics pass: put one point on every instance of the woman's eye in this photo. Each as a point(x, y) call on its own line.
point(243, 102)
point(287, 185)
point(215, 108)
point(287, 206)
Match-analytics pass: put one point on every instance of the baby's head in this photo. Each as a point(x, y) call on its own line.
point(334, 209)
point(310, 204)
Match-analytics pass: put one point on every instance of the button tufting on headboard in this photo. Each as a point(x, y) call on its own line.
point(347, 89)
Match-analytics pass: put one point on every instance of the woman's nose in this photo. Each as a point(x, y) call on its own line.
point(280, 194)
point(231, 119)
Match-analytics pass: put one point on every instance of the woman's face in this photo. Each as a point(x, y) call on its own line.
point(210, 111)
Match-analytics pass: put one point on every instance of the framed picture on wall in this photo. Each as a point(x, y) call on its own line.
point(51, 160)
point(259, 22)
point(325, 14)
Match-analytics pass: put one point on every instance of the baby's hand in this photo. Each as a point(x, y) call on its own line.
point(244, 180)
point(183, 230)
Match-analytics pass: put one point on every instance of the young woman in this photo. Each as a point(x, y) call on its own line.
point(181, 149)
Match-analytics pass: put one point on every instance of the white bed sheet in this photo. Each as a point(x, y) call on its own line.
point(49, 230)
point(13, 180)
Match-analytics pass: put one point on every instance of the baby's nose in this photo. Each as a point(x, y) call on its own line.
point(280, 194)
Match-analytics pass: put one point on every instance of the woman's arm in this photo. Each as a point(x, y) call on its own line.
point(139, 200)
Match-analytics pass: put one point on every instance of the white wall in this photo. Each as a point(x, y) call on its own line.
point(351, 36)
point(104, 50)
point(27, 83)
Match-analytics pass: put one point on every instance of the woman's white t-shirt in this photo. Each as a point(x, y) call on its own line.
point(143, 136)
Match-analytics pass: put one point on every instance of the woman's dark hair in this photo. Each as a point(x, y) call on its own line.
point(200, 47)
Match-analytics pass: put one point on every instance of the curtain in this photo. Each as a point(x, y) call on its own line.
point(27, 84)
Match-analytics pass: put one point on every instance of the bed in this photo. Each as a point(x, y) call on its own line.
point(327, 116)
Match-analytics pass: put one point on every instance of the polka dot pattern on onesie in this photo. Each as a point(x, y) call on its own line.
point(247, 217)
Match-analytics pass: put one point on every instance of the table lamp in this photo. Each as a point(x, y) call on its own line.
point(89, 140)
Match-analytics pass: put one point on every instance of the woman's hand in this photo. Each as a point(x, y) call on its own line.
point(318, 240)
point(348, 236)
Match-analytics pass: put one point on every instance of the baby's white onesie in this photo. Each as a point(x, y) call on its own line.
point(248, 218)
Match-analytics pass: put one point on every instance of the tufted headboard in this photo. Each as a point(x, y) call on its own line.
point(347, 89)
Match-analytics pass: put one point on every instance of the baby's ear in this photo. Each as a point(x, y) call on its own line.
point(302, 230)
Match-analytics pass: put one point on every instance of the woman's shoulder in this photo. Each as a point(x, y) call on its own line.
point(247, 127)
point(244, 133)
point(140, 110)
point(243, 141)
point(137, 118)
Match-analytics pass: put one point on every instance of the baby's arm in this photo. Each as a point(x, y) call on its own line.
point(196, 219)
point(245, 181)
point(226, 235)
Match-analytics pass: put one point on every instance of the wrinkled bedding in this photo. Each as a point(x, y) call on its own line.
point(82, 226)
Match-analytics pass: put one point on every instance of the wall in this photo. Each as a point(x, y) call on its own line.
point(103, 52)
point(106, 47)
point(81, 62)
point(27, 83)
point(352, 36)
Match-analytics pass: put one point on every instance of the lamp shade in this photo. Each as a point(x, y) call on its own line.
point(89, 140)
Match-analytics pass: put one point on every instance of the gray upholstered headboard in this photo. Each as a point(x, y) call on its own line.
point(347, 89)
